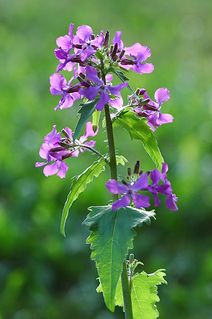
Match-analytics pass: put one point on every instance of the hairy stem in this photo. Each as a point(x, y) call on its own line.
point(113, 172)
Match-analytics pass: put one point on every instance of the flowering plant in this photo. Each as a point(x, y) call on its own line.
point(94, 63)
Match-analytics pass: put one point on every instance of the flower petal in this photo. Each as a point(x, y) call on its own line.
point(50, 169)
point(140, 200)
point(57, 83)
point(115, 187)
point(62, 170)
point(84, 32)
point(64, 42)
point(117, 88)
point(122, 202)
point(155, 176)
point(143, 68)
point(104, 98)
point(90, 93)
point(116, 102)
point(39, 164)
point(141, 183)
point(139, 51)
point(171, 202)
point(162, 95)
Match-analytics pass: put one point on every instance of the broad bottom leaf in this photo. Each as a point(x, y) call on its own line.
point(111, 237)
point(144, 294)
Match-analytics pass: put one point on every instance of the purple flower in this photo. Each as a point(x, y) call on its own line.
point(129, 192)
point(107, 93)
point(138, 55)
point(86, 43)
point(59, 86)
point(161, 185)
point(55, 149)
point(62, 53)
point(151, 109)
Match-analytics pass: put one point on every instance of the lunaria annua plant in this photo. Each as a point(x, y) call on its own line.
point(91, 63)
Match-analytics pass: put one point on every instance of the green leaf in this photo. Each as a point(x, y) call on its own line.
point(144, 294)
point(85, 112)
point(78, 186)
point(111, 237)
point(121, 75)
point(139, 130)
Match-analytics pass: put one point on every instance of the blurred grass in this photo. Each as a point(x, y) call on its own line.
point(43, 275)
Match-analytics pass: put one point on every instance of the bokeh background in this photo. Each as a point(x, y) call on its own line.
point(42, 274)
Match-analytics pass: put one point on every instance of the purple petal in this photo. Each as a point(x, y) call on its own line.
point(122, 202)
point(67, 101)
point(89, 130)
point(92, 75)
point(109, 78)
point(116, 102)
point(84, 32)
point(90, 93)
point(155, 176)
point(50, 169)
point(115, 187)
point(57, 83)
point(39, 164)
point(60, 54)
point(165, 118)
point(104, 98)
point(141, 183)
point(140, 200)
point(63, 168)
point(68, 132)
point(171, 202)
point(64, 42)
point(139, 51)
point(156, 200)
point(53, 136)
point(143, 68)
point(69, 66)
point(162, 95)
point(117, 88)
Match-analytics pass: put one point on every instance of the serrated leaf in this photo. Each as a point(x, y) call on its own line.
point(111, 237)
point(139, 130)
point(85, 112)
point(78, 186)
point(144, 294)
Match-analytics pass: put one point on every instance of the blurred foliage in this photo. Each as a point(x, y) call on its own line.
point(43, 275)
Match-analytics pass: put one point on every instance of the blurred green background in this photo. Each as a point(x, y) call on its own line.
point(43, 275)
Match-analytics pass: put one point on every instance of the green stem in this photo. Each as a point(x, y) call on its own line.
point(113, 172)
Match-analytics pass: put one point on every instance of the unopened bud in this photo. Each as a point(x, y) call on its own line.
point(137, 167)
point(121, 54)
point(106, 40)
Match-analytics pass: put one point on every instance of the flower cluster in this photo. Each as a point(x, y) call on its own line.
point(85, 54)
point(56, 149)
point(93, 62)
point(145, 107)
point(154, 182)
